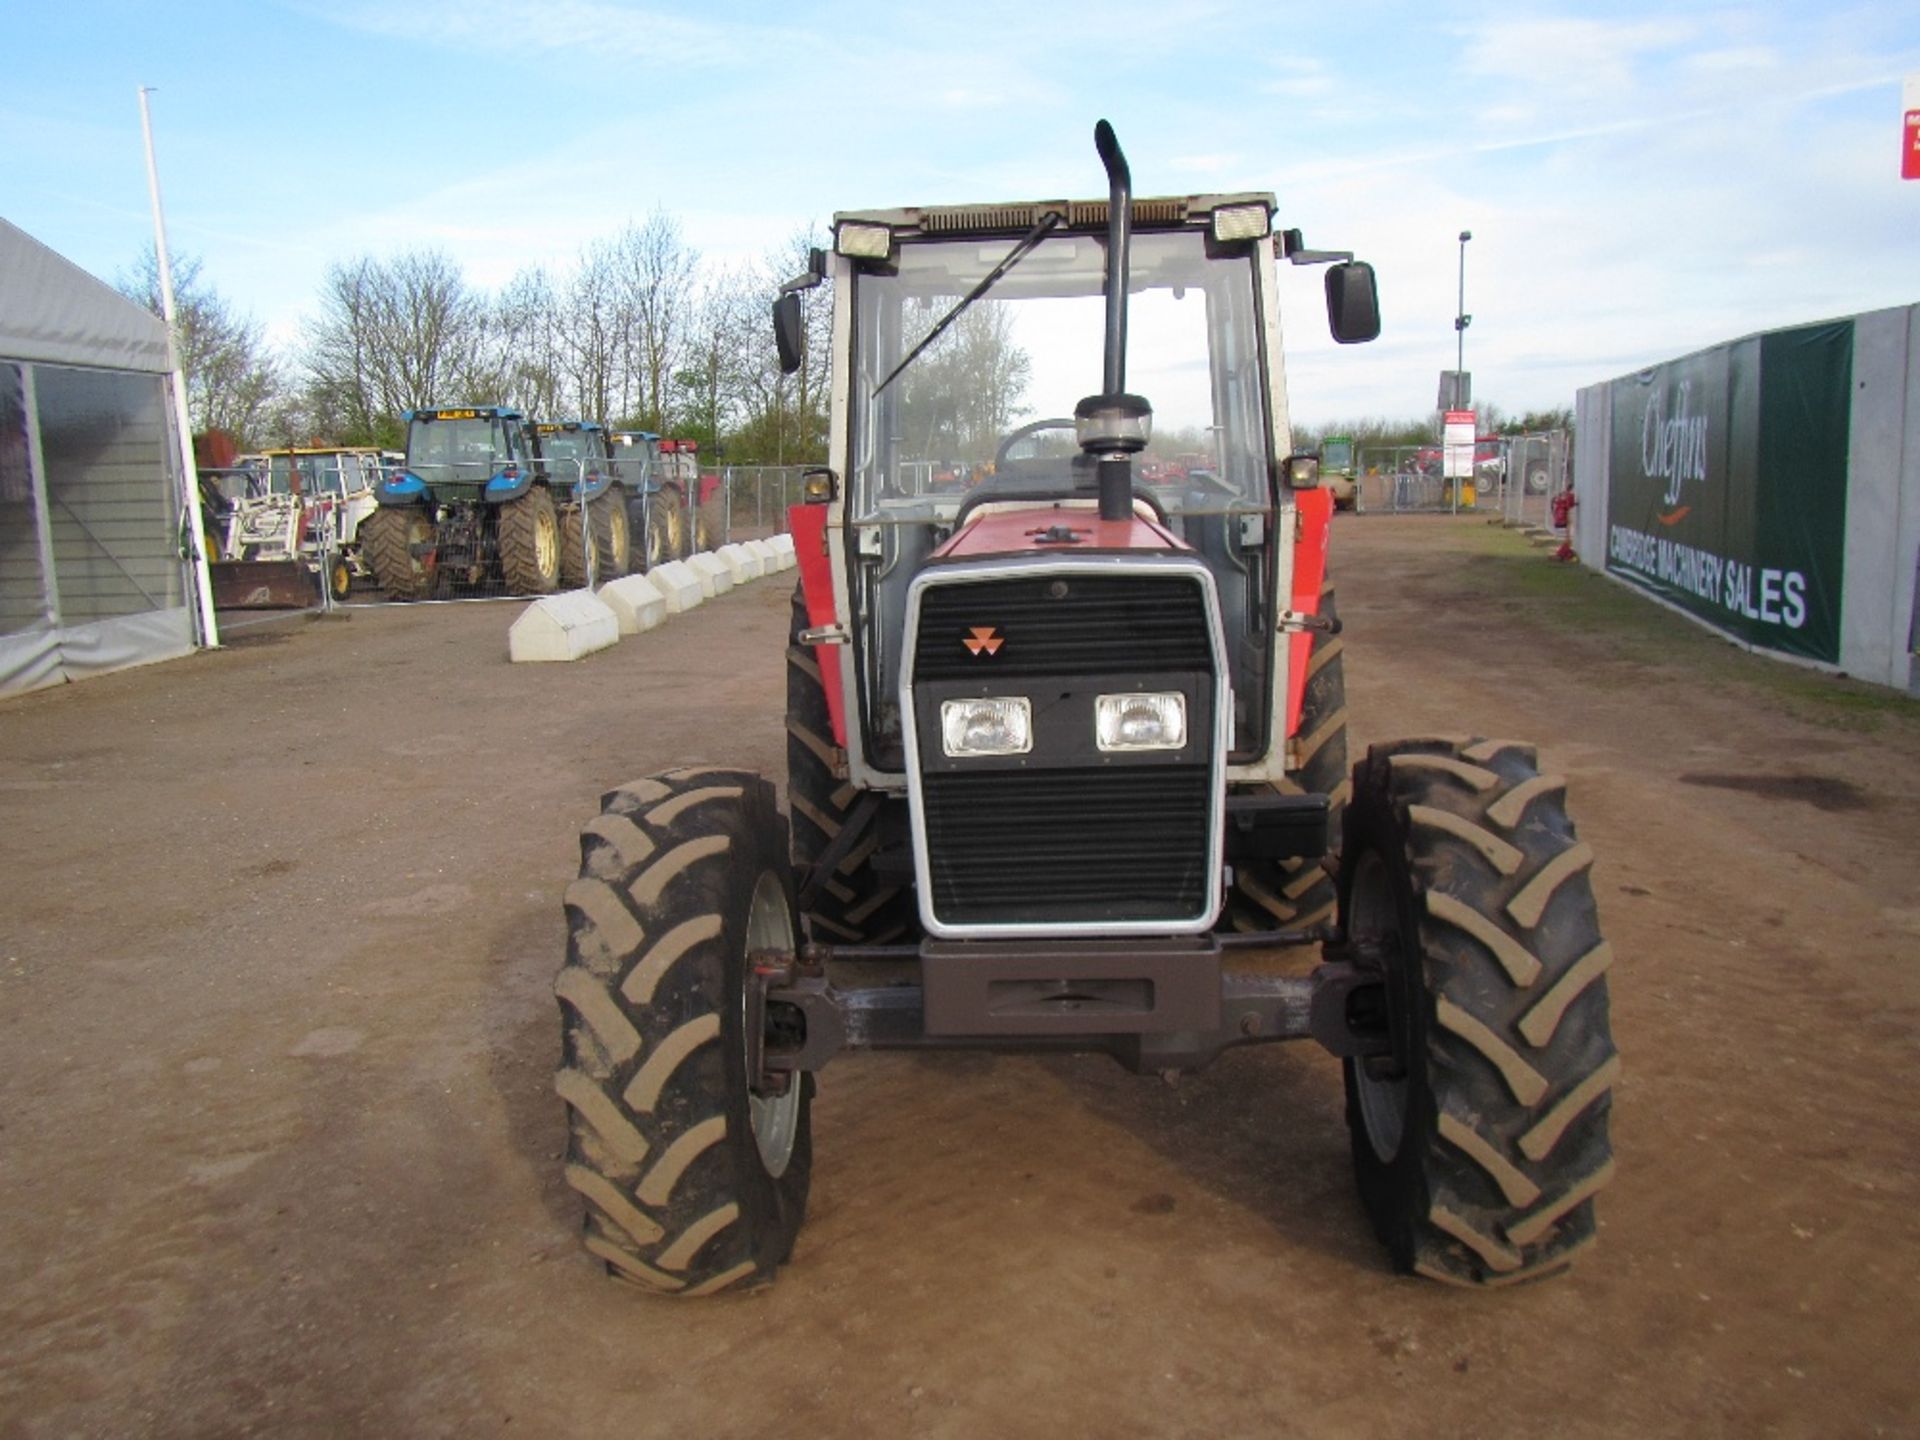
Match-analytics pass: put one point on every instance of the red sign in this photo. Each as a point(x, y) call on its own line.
point(1910, 129)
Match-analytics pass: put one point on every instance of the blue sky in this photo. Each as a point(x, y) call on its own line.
point(1640, 179)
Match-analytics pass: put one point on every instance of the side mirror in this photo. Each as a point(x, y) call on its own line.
point(786, 332)
point(1353, 303)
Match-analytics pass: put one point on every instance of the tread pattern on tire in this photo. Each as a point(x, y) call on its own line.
point(652, 1137)
point(612, 537)
point(387, 536)
point(573, 552)
point(1518, 1041)
point(856, 905)
point(1293, 894)
point(519, 524)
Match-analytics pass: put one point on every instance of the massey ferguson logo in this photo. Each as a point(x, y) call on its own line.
point(983, 640)
point(1673, 448)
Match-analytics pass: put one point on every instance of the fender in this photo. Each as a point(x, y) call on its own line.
point(1315, 510)
point(590, 488)
point(808, 526)
point(507, 485)
point(404, 488)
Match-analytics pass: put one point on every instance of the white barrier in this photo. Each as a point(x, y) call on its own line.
point(783, 547)
point(637, 601)
point(562, 627)
point(766, 554)
point(679, 586)
point(742, 562)
point(716, 576)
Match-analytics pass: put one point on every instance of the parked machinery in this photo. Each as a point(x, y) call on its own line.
point(1069, 751)
point(671, 505)
point(589, 494)
point(1340, 472)
point(468, 507)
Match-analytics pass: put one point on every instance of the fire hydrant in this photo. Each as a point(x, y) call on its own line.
point(1563, 504)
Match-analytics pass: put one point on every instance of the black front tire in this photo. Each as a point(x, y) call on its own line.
point(652, 525)
point(1480, 1142)
point(856, 905)
point(1295, 894)
point(693, 1182)
point(529, 538)
point(612, 537)
point(573, 548)
point(394, 539)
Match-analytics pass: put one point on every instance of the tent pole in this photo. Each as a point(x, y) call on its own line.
point(189, 483)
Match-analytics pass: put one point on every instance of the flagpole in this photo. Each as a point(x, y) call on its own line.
point(189, 483)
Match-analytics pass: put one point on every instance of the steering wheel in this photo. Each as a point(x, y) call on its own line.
point(1003, 456)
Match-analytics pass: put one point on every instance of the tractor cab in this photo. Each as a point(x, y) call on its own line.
point(469, 452)
point(981, 339)
point(573, 456)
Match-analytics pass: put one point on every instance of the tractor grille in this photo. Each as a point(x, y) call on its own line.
point(1116, 839)
point(1068, 847)
point(1095, 625)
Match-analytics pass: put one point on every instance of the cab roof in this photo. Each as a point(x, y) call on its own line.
point(462, 412)
point(1170, 212)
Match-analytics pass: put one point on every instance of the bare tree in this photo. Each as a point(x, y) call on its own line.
point(591, 329)
point(656, 273)
point(398, 335)
point(233, 380)
point(528, 347)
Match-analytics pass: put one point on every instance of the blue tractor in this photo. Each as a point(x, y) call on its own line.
point(469, 505)
point(572, 455)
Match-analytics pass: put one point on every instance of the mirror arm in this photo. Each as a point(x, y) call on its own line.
point(1319, 257)
point(815, 272)
point(1289, 245)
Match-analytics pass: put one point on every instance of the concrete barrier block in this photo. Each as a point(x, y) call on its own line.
point(716, 576)
point(637, 602)
point(562, 627)
point(764, 551)
point(783, 546)
point(744, 564)
point(678, 586)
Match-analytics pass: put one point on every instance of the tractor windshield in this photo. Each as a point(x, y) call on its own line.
point(990, 403)
point(1336, 455)
point(985, 413)
point(465, 452)
point(568, 454)
point(319, 474)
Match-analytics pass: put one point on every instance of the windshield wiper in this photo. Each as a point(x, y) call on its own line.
point(1014, 256)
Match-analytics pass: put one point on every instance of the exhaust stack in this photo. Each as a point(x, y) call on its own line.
point(1114, 425)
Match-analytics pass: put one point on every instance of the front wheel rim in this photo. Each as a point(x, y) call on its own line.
point(775, 1118)
point(1375, 919)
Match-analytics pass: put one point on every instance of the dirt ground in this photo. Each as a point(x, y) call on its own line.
point(278, 1145)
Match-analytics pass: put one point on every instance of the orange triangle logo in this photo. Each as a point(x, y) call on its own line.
point(983, 640)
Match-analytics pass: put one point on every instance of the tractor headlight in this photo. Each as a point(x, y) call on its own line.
point(1240, 222)
point(863, 242)
point(997, 725)
point(1152, 721)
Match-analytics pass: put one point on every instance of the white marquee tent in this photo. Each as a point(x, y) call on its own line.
point(91, 577)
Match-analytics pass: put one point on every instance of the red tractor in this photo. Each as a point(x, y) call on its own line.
point(1069, 750)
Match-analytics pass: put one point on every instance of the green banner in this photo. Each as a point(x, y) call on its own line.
point(1728, 485)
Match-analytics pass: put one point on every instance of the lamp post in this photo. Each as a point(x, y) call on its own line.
point(1460, 322)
